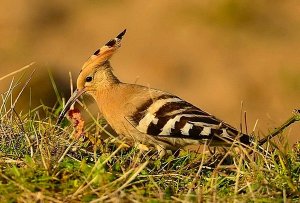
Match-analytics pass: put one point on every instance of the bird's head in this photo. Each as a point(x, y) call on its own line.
point(96, 72)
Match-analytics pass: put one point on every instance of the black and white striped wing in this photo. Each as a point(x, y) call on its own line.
point(170, 116)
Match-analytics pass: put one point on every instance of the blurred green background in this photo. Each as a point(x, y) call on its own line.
point(214, 54)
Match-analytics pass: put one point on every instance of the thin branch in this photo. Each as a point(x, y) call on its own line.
point(293, 119)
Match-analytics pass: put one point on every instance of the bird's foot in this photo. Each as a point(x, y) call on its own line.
point(161, 151)
point(142, 147)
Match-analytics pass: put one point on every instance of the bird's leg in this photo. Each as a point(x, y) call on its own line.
point(142, 147)
point(161, 151)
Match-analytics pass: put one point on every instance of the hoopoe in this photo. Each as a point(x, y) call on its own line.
point(148, 116)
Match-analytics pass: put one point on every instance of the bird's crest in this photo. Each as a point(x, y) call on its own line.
point(106, 52)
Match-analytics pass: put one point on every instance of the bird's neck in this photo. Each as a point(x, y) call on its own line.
point(107, 96)
point(106, 88)
point(111, 78)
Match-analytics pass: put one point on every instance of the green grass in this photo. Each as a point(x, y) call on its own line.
point(42, 163)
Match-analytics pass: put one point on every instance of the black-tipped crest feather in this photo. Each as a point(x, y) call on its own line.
point(120, 36)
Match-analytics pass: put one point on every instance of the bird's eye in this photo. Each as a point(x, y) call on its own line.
point(88, 79)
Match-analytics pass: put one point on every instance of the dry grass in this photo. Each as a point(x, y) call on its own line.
point(40, 162)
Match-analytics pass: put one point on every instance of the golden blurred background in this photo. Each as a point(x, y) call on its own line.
point(213, 54)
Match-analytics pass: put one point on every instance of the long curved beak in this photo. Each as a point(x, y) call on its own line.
point(77, 93)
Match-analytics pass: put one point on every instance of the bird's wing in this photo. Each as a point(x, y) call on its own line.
point(169, 116)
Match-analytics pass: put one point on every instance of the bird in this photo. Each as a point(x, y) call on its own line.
point(148, 116)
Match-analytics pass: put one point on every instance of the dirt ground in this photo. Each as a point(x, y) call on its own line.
point(213, 54)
